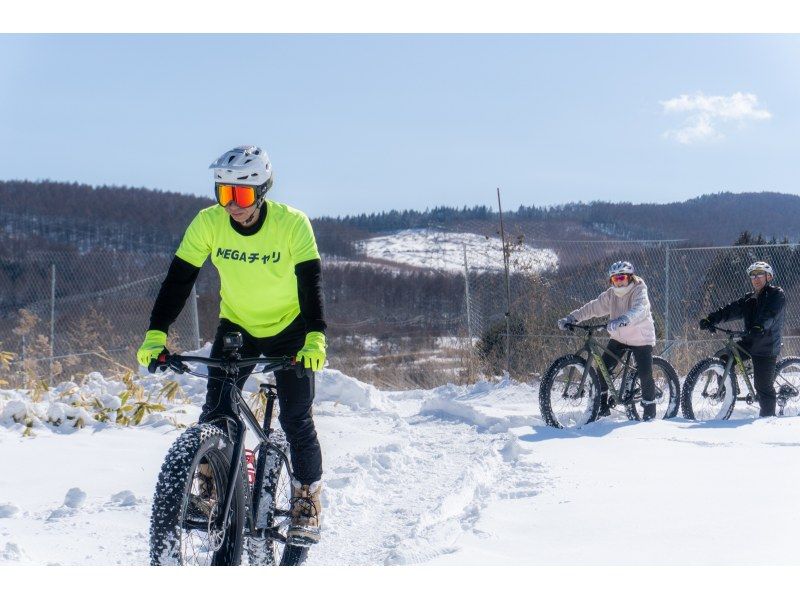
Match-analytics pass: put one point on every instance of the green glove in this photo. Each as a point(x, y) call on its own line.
point(155, 341)
point(312, 355)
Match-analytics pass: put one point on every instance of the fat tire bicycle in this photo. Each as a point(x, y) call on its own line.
point(206, 511)
point(711, 389)
point(570, 396)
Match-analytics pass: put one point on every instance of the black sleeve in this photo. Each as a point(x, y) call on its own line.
point(732, 311)
point(309, 293)
point(774, 306)
point(173, 294)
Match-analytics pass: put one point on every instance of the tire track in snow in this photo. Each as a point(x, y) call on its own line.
point(411, 499)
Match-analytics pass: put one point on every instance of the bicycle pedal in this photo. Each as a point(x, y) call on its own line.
point(302, 536)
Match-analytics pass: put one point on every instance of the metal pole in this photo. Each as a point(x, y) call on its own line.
point(195, 318)
point(508, 285)
point(666, 298)
point(467, 296)
point(52, 317)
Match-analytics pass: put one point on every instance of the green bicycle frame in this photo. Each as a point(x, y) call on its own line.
point(596, 351)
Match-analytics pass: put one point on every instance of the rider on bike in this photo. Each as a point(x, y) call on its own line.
point(270, 291)
point(630, 325)
point(762, 310)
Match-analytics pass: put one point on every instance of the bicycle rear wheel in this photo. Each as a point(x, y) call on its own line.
point(189, 494)
point(667, 392)
point(272, 507)
point(706, 396)
point(787, 386)
point(561, 400)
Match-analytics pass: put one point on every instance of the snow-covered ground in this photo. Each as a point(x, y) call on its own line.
point(453, 475)
point(440, 250)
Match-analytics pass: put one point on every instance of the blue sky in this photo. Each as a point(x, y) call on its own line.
point(371, 122)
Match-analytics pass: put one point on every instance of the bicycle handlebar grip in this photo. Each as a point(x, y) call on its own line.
point(159, 362)
point(299, 368)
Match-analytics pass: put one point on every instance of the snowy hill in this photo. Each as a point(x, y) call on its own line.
point(441, 250)
point(452, 475)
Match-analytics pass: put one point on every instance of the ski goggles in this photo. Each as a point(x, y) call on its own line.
point(757, 273)
point(619, 277)
point(243, 196)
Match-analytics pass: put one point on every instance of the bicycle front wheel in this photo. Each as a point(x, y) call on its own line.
point(667, 392)
point(189, 496)
point(564, 403)
point(787, 386)
point(272, 508)
point(706, 396)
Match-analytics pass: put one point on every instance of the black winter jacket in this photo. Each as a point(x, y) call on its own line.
point(764, 310)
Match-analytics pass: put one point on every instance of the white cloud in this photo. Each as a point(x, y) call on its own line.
point(704, 114)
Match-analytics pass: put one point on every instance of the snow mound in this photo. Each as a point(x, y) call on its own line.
point(13, 553)
point(440, 250)
point(75, 498)
point(8, 510)
point(334, 386)
point(126, 498)
point(495, 407)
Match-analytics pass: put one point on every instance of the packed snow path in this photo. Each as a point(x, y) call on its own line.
point(461, 475)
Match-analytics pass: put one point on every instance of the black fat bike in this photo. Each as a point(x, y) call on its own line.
point(569, 393)
point(207, 510)
point(711, 389)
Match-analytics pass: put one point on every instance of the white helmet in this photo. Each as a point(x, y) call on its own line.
point(620, 268)
point(760, 266)
point(244, 165)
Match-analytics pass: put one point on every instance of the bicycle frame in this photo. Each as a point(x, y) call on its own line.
point(231, 365)
point(735, 350)
point(594, 349)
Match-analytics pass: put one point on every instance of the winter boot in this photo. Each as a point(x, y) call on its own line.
point(306, 513)
point(648, 410)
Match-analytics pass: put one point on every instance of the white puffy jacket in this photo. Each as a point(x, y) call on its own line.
point(635, 304)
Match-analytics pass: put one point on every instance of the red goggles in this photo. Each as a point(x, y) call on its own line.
point(241, 195)
point(619, 277)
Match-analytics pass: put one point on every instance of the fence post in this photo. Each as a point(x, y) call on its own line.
point(467, 298)
point(195, 318)
point(52, 317)
point(666, 299)
point(508, 285)
point(468, 303)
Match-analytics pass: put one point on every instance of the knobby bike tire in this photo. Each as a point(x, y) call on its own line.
point(550, 413)
point(791, 400)
point(695, 377)
point(271, 477)
point(664, 410)
point(169, 522)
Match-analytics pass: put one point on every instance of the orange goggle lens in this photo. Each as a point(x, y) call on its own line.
point(619, 277)
point(244, 197)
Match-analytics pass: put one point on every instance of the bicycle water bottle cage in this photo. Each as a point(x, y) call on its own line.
point(231, 342)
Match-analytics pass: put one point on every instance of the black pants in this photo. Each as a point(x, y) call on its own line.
point(764, 381)
point(295, 395)
point(644, 366)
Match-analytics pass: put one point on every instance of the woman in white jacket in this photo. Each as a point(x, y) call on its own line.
point(630, 325)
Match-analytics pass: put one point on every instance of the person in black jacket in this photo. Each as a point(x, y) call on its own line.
point(762, 311)
point(271, 292)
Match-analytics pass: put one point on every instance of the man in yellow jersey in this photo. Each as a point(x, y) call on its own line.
point(270, 291)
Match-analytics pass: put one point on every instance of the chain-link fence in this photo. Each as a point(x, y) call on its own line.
point(684, 285)
point(67, 312)
point(433, 308)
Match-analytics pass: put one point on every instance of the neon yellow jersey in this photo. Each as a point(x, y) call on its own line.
point(258, 287)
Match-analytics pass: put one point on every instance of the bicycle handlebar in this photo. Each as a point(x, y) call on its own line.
point(229, 364)
point(589, 327)
point(727, 331)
